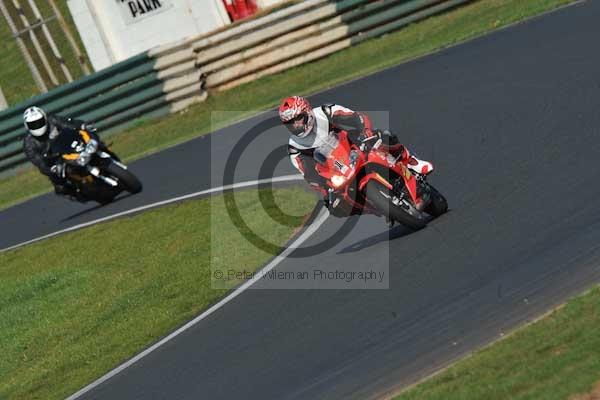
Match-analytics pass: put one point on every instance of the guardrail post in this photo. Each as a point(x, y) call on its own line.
point(51, 42)
point(34, 70)
point(70, 38)
point(36, 43)
point(3, 103)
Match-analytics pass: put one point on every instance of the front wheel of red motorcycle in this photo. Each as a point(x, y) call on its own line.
point(438, 205)
point(403, 212)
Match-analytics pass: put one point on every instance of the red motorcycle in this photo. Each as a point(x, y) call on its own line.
point(366, 178)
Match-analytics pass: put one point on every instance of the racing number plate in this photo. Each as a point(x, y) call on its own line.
point(343, 168)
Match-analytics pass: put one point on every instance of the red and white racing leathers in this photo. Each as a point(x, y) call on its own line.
point(329, 119)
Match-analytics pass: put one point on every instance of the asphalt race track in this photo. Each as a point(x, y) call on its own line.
point(511, 122)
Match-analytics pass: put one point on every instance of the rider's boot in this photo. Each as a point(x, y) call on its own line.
point(421, 167)
point(399, 151)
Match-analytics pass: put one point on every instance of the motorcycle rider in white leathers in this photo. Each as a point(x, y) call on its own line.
point(314, 129)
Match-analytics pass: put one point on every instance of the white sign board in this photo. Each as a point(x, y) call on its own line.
point(137, 10)
point(114, 30)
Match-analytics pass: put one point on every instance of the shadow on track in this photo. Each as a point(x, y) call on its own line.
point(96, 207)
point(395, 233)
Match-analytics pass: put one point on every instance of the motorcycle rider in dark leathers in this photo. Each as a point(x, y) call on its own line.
point(43, 128)
point(314, 129)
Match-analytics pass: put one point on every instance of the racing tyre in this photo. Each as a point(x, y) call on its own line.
point(404, 213)
point(129, 181)
point(438, 205)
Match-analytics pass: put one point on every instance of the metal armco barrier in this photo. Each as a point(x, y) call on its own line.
point(317, 29)
point(170, 78)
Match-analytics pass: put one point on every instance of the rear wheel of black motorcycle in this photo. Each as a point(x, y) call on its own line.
point(438, 205)
point(380, 196)
point(128, 180)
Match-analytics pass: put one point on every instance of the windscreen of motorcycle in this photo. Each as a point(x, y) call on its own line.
point(68, 141)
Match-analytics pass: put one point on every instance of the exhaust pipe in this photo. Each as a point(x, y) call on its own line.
point(95, 171)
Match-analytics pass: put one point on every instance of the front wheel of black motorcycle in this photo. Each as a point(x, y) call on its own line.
point(381, 198)
point(129, 181)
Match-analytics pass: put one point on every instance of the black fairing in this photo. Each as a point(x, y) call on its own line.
point(70, 141)
point(64, 142)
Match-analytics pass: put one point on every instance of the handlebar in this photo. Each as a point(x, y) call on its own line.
point(364, 142)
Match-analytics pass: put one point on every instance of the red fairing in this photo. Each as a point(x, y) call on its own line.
point(340, 154)
point(340, 172)
point(380, 157)
point(375, 176)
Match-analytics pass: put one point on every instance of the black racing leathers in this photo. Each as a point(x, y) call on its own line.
point(36, 150)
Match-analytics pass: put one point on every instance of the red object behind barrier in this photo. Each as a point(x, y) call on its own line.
point(240, 9)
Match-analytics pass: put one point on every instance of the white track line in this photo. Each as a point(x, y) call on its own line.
point(284, 178)
point(318, 221)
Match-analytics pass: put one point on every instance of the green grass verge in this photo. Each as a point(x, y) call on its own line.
point(417, 39)
point(73, 307)
point(15, 79)
point(554, 358)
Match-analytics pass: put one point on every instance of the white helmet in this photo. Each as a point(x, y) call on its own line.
point(35, 121)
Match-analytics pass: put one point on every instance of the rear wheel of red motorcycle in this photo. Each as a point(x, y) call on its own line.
point(381, 198)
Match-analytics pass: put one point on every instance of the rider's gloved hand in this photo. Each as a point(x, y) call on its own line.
point(58, 170)
point(391, 143)
point(367, 142)
point(386, 136)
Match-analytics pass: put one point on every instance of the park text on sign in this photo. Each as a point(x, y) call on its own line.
point(136, 10)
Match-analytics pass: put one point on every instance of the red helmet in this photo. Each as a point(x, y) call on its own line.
point(297, 115)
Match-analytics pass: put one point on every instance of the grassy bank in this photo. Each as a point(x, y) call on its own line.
point(74, 307)
point(16, 78)
point(417, 39)
point(558, 358)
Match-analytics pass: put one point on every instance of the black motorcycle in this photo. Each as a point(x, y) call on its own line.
point(91, 167)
